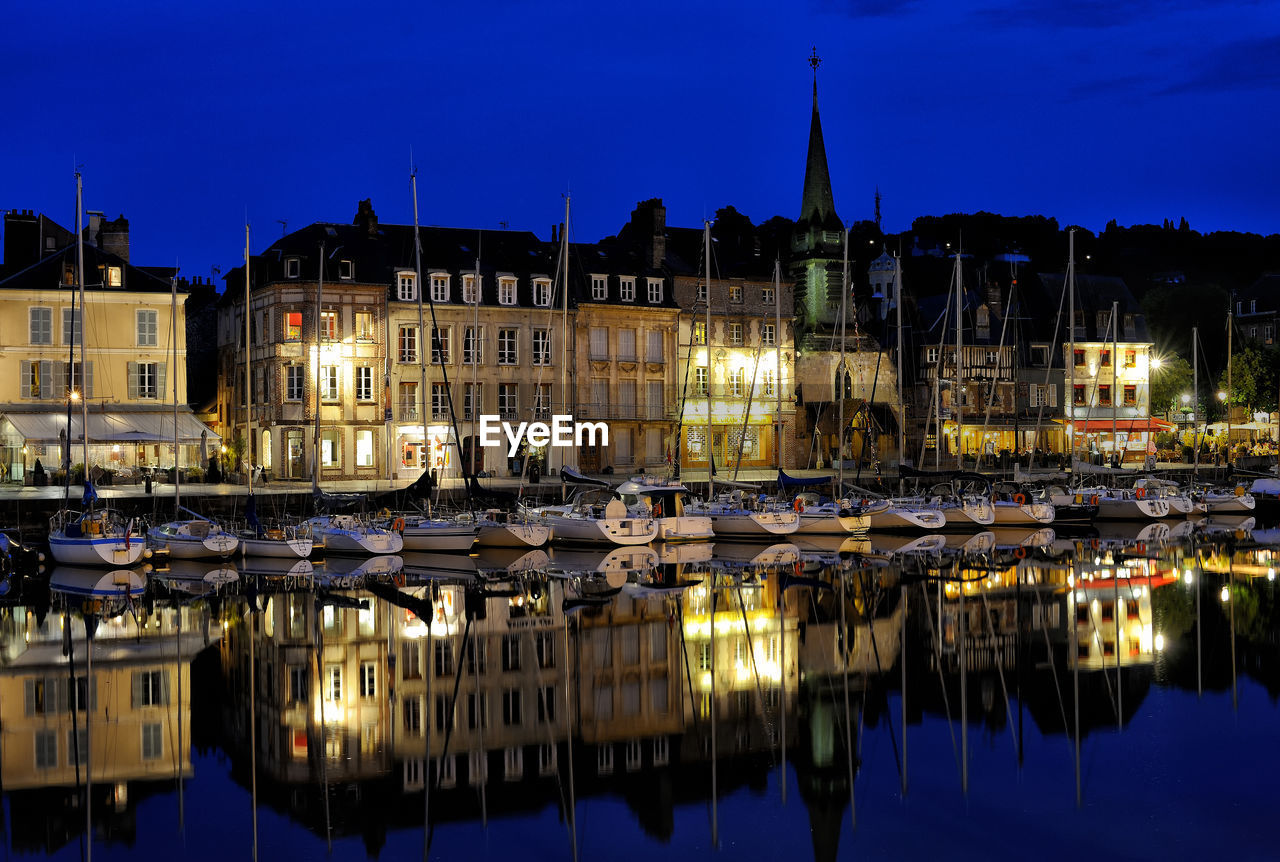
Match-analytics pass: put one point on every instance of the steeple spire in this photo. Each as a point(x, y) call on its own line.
point(818, 204)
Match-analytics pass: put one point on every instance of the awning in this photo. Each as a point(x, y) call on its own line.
point(1131, 426)
point(110, 427)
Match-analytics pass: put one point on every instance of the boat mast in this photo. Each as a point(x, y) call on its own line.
point(79, 379)
point(1195, 401)
point(1115, 344)
point(1069, 397)
point(248, 378)
point(422, 354)
point(564, 331)
point(959, 399)
point(777, 355)
point(706, 345)
point(841, 371)
point(902, 410)
point(315, 445)
point(1230, 327)
point(173, 338)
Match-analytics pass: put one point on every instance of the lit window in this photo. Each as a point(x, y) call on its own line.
point(364, 326)
point(329, 448)
point(699, 332)
point(735, 294)
point(293, 326)
point(114, 276)
point(328, 325)
point(364, 448)
point(329, 382)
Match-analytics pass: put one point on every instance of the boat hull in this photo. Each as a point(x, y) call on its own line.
point(515, 534)
point(753, 525)
point(568, 529)
point(438, 536)
point(96, 550)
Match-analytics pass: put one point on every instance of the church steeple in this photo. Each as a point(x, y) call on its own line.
point(818, 204)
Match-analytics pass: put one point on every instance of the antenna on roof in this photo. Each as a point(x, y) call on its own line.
point(284, 226)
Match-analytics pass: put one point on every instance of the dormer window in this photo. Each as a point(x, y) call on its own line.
point(599, 287)
point(1253, 306)
point(506, 291)
point(470, 295)
point(627, 289)
point(542, 292)
point(702, 293)
point(655, 291)
point(292, 266)
point(735, 294)
point(439, 287)
point(114, 276)
point(406, 286)
point(346, 270)
point(768, 296)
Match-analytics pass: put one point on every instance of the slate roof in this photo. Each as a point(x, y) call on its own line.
point(1094, 293)
point(47, 273)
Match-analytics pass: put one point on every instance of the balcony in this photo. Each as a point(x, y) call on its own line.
point(409, 413)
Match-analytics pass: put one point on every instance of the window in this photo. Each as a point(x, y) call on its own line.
point(993, 357)
point(510, 652)
point(147, 327)
point(511, 707)
point(472, 346)
point(737, 377)
point(770, 383)
point(931, 355)
point(329, 382)
point(544, 645)
point(407, 286)
point(701, 295)
point(1104, 396)
point(46, 749)
point(546, 759)
point(439, 287)
point(735, 334)
point(547, 705)
point(346, 270)
point(1130, 358)
point(364, 382)
point(1104, 358)
point(40, 322)
point(364, 326)
point(146, 379)
point(364, 447)
point(508, 346)
point(542, 292)
point(407, 344)
point(1077, 397)
point(655, 291)
point(627, 288)
point(661, 751)
point(293, 383)
point(472, 400)
point(768, 296)
point(604, 760)
point(735, 294)
point(655, 346)
point(1040, 355)
point(626, 345)
point(329, 448)
point(508, 400)
point(632, 754)
point(700, 380)
point(506, 291)
point(408, 402)
point(704, 656)
point(440, 346)
point(599, 337)
point(150, 688)
point(1130, 396)
point(513, 764)
point(1079, 357)
point(470, 295)
point(444, 658)
point(439, 402)
point(293, 326)
point(412, 712)
point(114, 276)
point(542, 401)
point(767, 335)
point(328, 325)
point(71, 326)
point(292, 267)
point(152, 741)
point(599, 287)
point(78, 745)
point(477, 711)
point(542, 347)
point(297, 684)
point(699, 332)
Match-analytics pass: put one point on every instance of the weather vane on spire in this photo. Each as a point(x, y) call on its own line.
point(815, 61)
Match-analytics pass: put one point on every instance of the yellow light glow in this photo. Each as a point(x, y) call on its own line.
point(1159, 643)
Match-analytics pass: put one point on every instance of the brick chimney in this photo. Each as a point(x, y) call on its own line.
point(366, 218)
point(21, 239)
point(113, 238)
point(649, 220)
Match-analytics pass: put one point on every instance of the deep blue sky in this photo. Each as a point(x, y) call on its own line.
point(186, 117)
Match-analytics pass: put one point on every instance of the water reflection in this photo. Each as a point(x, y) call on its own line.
point(429, 691)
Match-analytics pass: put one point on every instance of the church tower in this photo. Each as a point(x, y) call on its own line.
point(817, 246)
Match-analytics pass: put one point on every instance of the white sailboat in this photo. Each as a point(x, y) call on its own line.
point(89, 538)
point(592, 519)
point(665, 501)
point(499, 529)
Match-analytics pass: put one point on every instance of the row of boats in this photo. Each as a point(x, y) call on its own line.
point(641, 511)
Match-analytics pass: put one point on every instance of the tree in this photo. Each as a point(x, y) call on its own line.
point(1168, 383)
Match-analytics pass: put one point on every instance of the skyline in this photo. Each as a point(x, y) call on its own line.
point(1080, 113)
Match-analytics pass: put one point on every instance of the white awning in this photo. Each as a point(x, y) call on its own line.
point(109, 427)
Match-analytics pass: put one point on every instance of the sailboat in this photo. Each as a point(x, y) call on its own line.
point(197, 537)
point(89, 538)
point(665, 501)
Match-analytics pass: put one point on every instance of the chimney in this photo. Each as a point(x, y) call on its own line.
point(21, 240)
point(649, 220)
point(94, 226)
point(554, 240)
point(113, 238)
point(366, 218)
point(993, 297)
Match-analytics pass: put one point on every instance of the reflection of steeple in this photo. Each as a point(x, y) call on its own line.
point(822, 773)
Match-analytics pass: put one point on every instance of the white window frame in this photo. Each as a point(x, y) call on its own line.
point(442, 345)
point(292, 267)
point(506, 290)
point(627, 288)
point(114, 276)
point(147, 327)
point(735, 334)
point(542, 292)
point(365, 333)
point(735, 294)
point(330, 376)
point(439, 287)
point(406, 286)
point(293, 383)
point(655, 291)
point(599, 287)
point(768, 335)
point(508, 346)
point(346, 270)
point(470, 295)
point(473, 345)
point(542, 353)
point(364, 382)
point(767, 296)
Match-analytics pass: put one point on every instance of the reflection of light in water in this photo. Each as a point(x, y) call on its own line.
point(1159, 643)
point(1225, 595)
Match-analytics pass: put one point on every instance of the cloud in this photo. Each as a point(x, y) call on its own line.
point(1246, 64)
point(1093, 14)
point(870, 8)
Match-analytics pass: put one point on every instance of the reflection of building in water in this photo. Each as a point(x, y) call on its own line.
point(127, 728)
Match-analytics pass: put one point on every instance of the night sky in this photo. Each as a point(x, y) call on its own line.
point(187, 118)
